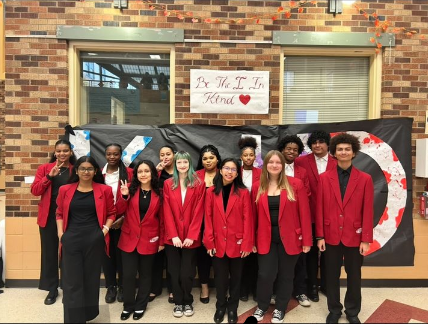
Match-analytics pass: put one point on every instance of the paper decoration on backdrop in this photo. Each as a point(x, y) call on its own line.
point(137, 145)
point(229, 92)
point(80, 143)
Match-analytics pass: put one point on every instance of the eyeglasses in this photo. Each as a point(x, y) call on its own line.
point(84, 170)
point(227, 169)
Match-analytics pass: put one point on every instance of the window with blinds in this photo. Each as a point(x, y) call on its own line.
point(320, 89)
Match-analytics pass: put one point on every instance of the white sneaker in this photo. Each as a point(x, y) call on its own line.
point(259, 314)
point(277, 316)
point(272, 299)
point(303, 300)
point(178, 311)
point(188, 310)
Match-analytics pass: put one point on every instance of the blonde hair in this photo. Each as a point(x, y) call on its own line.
point(283, 183)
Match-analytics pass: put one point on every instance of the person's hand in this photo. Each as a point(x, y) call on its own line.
point(55, 170)
point(364, 247)
point(187, 242)
point(306, 249)
point(160, 166)
point(254, 249)
point(177, 242)
point(211, 252)
point(104, 231)
point(244, 254)
point(124, 190)
point(60, 235)
point(161, 247)
point(321, 245)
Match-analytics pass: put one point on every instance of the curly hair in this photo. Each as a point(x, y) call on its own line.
point(205, 149)
point(344, 138)
point(319, 135)
point(247, 142)
point(290, 139)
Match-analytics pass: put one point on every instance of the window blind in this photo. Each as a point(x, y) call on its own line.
point(325, 89)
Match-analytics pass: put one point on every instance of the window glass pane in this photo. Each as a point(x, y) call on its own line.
point(325, 89)
point(125, 88)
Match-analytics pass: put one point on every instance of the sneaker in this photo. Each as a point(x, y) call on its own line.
point(188, 310)
point(303, 300)
point(272, 299)
point(277, 316)
point(259, 314)
point(177, 311)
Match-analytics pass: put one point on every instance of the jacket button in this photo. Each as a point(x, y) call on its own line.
point(340, 227)
point(340, 215)
point(138, 236)
point(224, 227)
point(182, 219)
point(225, 239)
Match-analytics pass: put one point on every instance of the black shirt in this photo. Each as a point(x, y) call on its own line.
point(82, 210)
point(163, 176)
point(226, 194)
point(273, 202)
point(58, 181)
point(343, 179)
point(145, 198)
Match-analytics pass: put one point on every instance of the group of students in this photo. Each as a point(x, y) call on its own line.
point(271, 222)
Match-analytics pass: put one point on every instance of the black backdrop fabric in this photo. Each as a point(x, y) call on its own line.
point(390, 137)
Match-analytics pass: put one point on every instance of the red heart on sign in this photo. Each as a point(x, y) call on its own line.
point(245, 99)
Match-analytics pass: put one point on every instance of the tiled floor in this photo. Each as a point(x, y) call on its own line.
point(380, 305)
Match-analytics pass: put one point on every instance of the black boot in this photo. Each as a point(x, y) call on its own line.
point(111, 294)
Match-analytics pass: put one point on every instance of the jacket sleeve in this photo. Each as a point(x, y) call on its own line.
point(198, 213)
point(41, 182)
point(110, 206)
point(60, 204)
point(121, 204)
point(208, 239)
point(254, 192)
point(248, 237)
point(304, 214)
point(170, 227)
point(161, 225)
point(319, 215)
point(367, 234)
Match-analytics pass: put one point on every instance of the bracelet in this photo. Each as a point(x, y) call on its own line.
point(106, 227)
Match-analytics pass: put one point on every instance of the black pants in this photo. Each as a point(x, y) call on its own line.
point(249, 276)
point(132, 263)
point(353, 260)
point(312, 258)
point(204, 265)
point(182, 269)
point(223, 268)
point(82, 254)
point(299, 281)
point(160, 262)
point(113, 265)
point(276, 262)
point(49, 277)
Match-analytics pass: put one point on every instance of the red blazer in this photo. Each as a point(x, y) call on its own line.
point(300, 173)
point(229, 232)
point(255, 175)
point(350, 221)
point(308, 163)
point(104, 205)
point(42, 187)
point(144, 235)
point(201, 174)
point(294, 220)
point(183, 220)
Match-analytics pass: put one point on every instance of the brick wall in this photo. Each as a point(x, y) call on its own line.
point(36, 88)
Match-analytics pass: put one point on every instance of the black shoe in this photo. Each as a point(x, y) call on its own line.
point(219, 316)
point(51, 297)
point(152, 298)
point(323, 290)
point(204, 300)
point(138, 315)
point(124, 316)
point(353, 319)
point(332, 318)
point(244, 298)
point(111, 294)
point(171, 299)
point(313, 294)
point(120, 294)
point(232, 317)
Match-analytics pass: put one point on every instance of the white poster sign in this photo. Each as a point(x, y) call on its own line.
point(229, 92)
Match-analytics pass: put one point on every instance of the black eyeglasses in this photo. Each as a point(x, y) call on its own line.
point(84, 170)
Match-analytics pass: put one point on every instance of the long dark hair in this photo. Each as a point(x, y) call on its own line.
point(123, 173)
point(98, 177)
point(154, 182)
point(208, 148)
point(237, 182)
point(65, 142)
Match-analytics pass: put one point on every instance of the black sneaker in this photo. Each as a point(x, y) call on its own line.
point(111, 294)
point(277, 316)
point(188, 310)
point(259, 314)
point(177, 311)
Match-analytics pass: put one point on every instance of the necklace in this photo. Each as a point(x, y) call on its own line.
point(145, 193)
point(61, 172)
